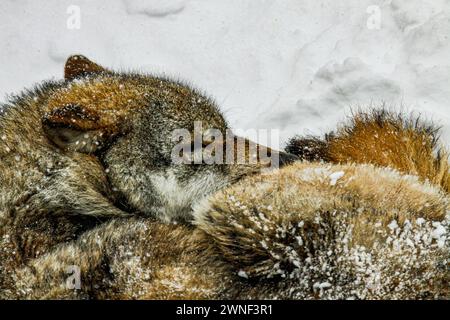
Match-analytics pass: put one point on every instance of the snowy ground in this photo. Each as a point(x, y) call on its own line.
point(294, 65)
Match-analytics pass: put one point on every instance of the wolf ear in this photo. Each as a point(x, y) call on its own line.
point(80, 66)
point(73, 128)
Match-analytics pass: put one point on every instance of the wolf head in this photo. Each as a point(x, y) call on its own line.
point(129, 121)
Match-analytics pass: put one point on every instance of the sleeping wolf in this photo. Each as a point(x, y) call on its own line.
point(97, 145)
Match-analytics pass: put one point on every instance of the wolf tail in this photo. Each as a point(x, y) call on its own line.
point(383, 138)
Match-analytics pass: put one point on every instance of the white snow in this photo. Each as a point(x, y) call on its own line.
point(393, 225)
point(439, 233)
point(420, 221)
point(299, 66)
point(335, 176)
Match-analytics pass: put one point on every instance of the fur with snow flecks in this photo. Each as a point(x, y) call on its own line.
point(382, 138)
point(333, 231)
point(123, 259)
point(95, 146)
point(307, 231)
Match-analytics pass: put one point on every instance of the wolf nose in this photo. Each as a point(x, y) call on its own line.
point(287, 158)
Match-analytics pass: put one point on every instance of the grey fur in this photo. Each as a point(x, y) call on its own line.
point(58, 180)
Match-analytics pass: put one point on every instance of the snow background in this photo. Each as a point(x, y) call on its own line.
point(299, 66)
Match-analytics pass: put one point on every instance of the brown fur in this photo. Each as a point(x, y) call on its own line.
point(127, 260)
point(97, 145)
point(386, 139)
point(302, 232)
point(77, 152)
point(78, 66)
point(307, 231)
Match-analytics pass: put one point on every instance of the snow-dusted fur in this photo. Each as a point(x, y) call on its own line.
point(125, 259)
point(96, 145)
point(307, 231)
point(334, 231)
point(383, 138)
